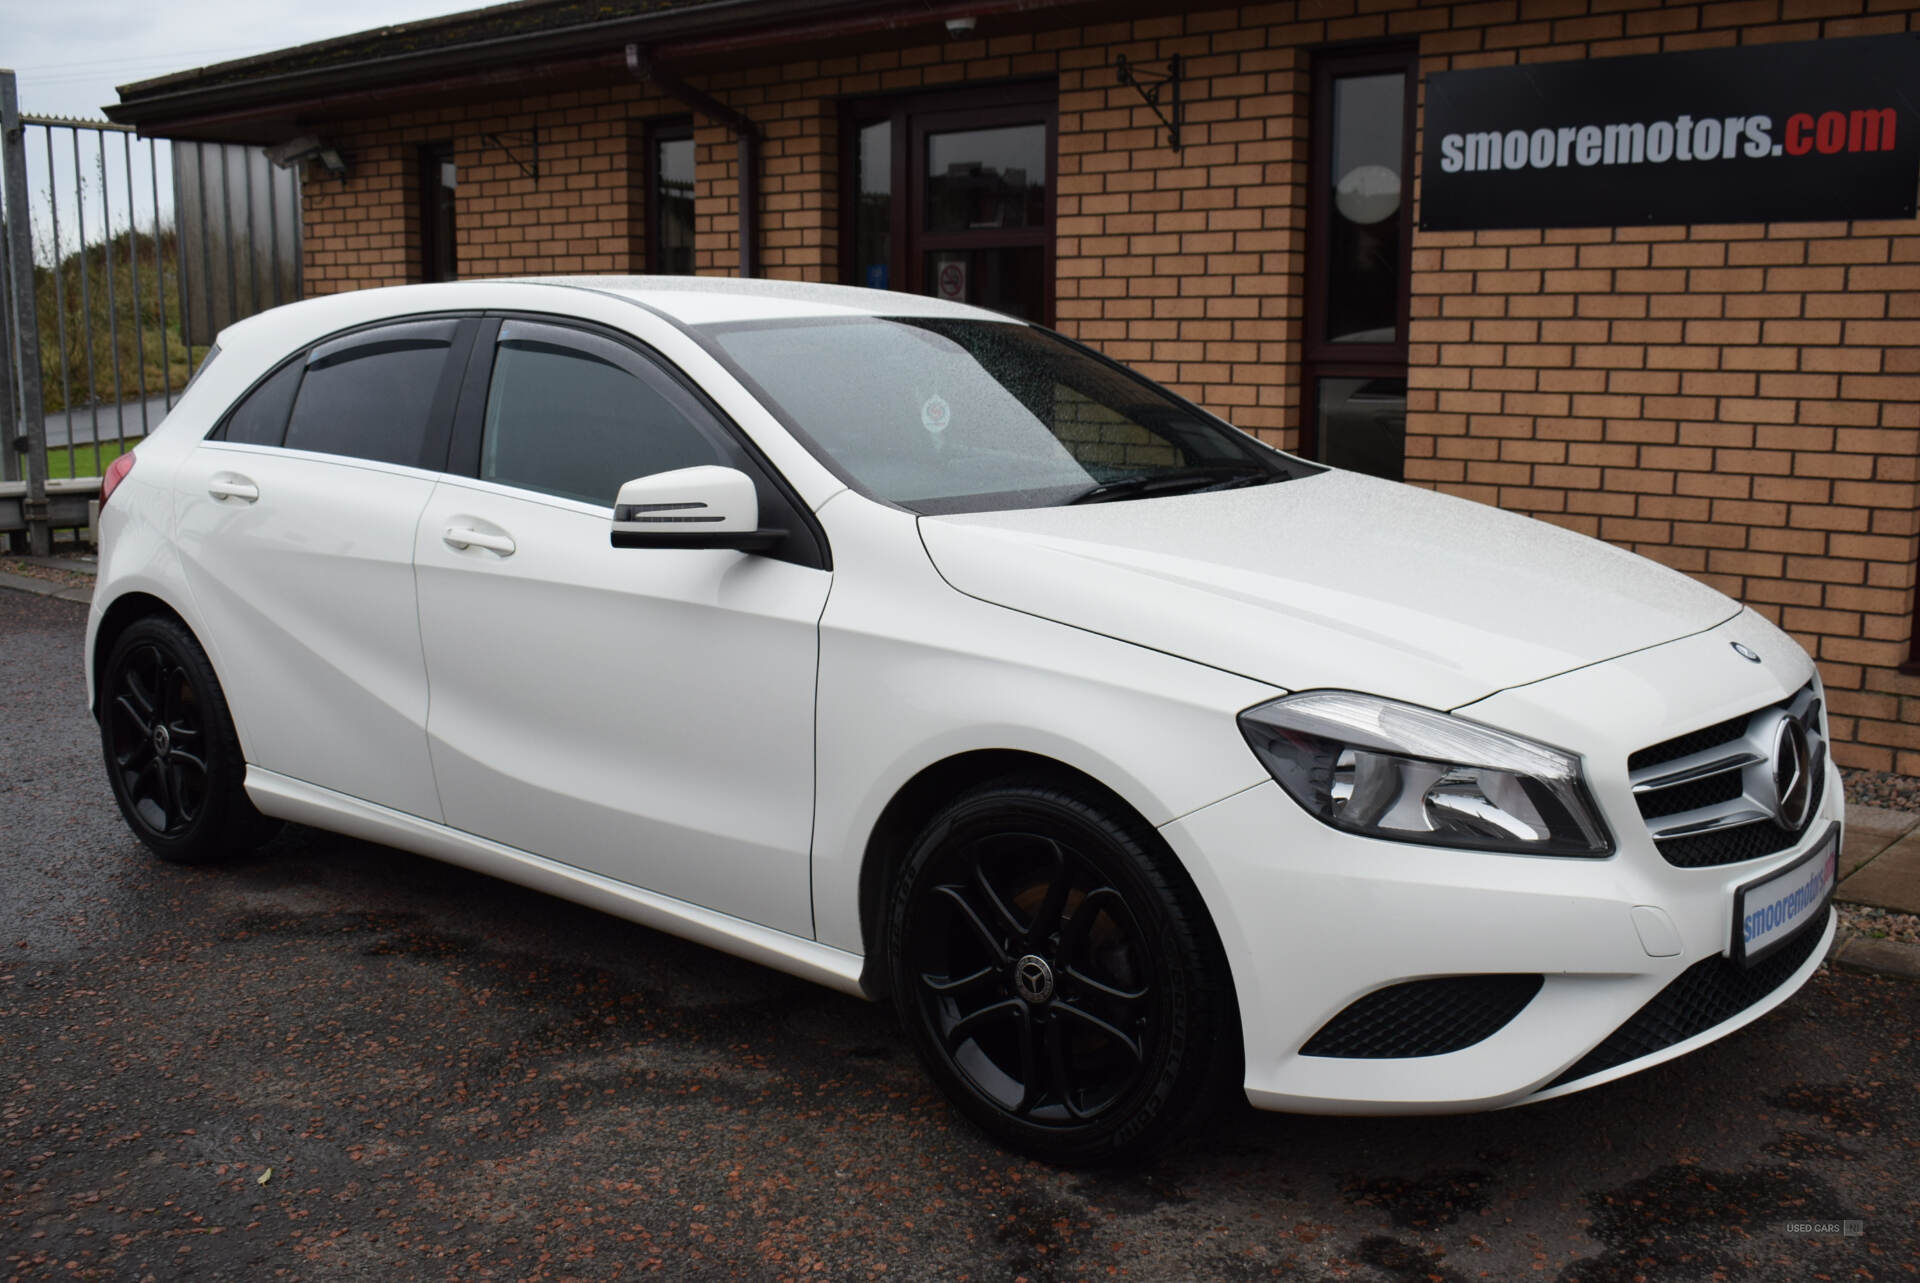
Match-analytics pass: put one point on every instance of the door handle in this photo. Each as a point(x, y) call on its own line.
point(464, 537)
point(231, 485)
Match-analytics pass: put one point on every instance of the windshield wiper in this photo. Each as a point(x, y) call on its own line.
point(1211, 476)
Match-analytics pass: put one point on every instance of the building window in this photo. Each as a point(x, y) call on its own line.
point(1359, 237)
point(953, 195)
point(439, 246)
point(670, 197)
point(872, 203)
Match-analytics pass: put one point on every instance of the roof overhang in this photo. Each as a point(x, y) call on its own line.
point(535, 46)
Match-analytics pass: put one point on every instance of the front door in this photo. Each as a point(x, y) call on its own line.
point(645, 714)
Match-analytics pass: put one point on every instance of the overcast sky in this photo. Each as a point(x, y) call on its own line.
point(70, 54)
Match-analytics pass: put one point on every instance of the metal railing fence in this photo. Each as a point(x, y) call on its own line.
point(120, 261)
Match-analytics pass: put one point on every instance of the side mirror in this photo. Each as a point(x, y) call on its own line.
point(706, 507)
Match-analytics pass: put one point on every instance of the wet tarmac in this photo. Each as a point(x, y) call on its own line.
point(338, 1061)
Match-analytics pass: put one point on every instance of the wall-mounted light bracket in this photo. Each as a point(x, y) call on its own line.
point(531, 166)
point(298, 151)
point(1152, 80)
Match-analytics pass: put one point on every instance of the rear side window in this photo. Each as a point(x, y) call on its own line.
point(261, 418)
point(577, 416)
point(371, 395)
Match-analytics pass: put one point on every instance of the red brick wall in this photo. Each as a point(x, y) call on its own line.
point(585, 214)
point(1739, 402)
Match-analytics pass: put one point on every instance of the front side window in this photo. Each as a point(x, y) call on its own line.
point(371, 395)
point(577, 416)
point(960, 416)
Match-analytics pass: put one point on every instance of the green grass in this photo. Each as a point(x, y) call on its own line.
point(62, 460)
point(144, 343)
point(147, 340)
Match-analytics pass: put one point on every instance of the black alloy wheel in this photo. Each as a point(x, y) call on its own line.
point(172, 756)
point(1058, 976)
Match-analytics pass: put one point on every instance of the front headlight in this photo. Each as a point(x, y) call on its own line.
point(1410, 774)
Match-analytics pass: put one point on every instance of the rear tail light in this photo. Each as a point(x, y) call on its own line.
point(116, 472)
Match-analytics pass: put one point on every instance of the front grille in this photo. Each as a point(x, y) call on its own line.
point(1692, 742)
point(1731, 846)
point(1708, 993)
point(1424, 1017)
point(1691, 796)
point(1709, 797)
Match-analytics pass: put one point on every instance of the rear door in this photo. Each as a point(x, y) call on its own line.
point(645, 714)
point(296, 524)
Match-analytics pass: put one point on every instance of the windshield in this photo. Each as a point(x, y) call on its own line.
point(964, 416)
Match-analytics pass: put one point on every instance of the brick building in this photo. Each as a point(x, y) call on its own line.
point(1740, 400)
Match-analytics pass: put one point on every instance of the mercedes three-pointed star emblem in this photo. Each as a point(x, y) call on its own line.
point(1792, 774)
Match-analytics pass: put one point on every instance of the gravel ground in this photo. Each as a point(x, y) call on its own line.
point(1880, 924)
point(338, 1061)
point(1897, 793)
point(1882, 788)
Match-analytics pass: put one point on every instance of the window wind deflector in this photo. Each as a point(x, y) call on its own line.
point(1212, 476)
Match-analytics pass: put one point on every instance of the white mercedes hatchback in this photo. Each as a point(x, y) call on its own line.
point(934, 657)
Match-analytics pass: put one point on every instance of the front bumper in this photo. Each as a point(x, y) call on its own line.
point(1314, 919)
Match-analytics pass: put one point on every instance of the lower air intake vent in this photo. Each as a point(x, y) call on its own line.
point(1709, 992)
point(1424, 1017)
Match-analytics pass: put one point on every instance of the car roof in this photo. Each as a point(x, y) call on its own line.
point(708, 300)
point(682, 300)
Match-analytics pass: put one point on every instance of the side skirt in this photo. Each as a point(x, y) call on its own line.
point(290, 799)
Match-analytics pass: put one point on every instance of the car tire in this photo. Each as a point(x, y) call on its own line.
point(172, 756)
point(1056, 972)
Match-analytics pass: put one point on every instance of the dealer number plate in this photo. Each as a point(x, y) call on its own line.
point(1768, 912)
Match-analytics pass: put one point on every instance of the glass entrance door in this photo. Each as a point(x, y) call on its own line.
point(955, 200)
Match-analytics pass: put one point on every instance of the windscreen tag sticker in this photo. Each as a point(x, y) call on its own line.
point(935, 414)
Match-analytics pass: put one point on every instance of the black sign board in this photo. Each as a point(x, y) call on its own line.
point(1824, 130)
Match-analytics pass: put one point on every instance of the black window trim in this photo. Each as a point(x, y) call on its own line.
point(806, 544)
point(440, 415)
